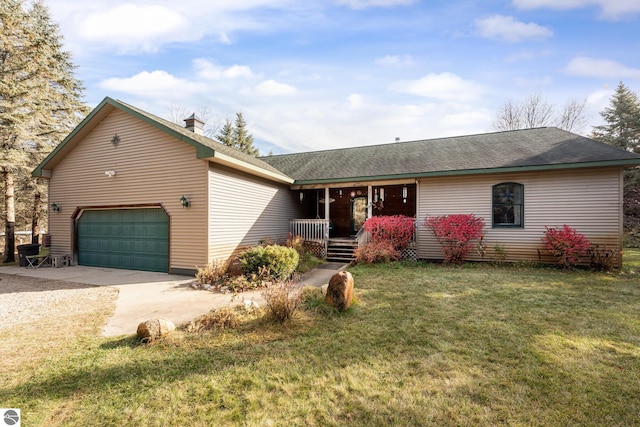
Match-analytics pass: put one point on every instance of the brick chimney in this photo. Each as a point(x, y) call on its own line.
point(194, 124)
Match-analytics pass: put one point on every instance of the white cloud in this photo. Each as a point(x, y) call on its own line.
point(237, 71)
point(355, 101)
point(155, 84)
point(611, 9)
point(274, 88)
point(395, 61)
point(136, 26)
point(364, 4)
point(210, 71)
point(507, 28)
point(304, 126)
point(131, 27)
point(444, 86)
point(600, 68)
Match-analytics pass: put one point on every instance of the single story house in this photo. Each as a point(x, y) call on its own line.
point(130, 190)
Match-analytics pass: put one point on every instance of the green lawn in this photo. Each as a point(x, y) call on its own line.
point(424, 345)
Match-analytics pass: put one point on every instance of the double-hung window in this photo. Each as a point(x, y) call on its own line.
point(508, 205)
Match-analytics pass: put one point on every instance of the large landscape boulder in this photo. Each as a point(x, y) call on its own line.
point(154, 329)
point(340, 290)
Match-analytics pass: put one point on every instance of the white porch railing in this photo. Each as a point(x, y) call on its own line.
point(311, 230)
point(362, 237)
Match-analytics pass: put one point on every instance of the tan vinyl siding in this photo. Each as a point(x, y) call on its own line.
point(244, 209)
point(152, 169)
point(588, 200)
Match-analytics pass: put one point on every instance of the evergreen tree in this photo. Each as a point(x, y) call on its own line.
point(242, 138)
point(40, 102)
point(622, 129)
point(622, 121)
point(236, 135)
point(225, 134)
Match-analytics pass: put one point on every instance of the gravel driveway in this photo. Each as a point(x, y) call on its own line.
point(26, 299)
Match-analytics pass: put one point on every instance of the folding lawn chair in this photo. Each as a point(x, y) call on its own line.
point(36, 261)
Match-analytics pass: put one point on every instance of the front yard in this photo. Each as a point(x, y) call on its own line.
point(424, 345)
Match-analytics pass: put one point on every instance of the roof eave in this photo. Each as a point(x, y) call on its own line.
point(236, 164)
point(417, 175)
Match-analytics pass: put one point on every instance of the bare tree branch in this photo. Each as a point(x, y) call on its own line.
point(535, 111)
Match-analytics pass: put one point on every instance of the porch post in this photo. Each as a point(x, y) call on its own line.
point(326, 203)
point(369, 201)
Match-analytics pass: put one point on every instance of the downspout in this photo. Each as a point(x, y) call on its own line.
point(369, 201)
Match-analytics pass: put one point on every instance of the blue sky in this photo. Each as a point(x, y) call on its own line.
point(311, 75)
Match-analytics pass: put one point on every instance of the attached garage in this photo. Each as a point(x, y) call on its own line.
point(136, 239)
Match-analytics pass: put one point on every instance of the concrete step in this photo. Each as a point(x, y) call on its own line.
point(341, 250)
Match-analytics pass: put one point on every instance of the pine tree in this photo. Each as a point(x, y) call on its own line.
point(40, 102)
point(622, 118)
point(225, 134)
point(242, 138)
point(235, 134)
point(622, 129)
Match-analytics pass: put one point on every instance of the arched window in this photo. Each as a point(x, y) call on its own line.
point(508, 205)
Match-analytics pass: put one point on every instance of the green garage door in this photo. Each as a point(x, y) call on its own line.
point(134, 239)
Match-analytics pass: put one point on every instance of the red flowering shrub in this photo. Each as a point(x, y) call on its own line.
point(565, 244)
point(455, 233)
point(377, 251)
point(397, 229)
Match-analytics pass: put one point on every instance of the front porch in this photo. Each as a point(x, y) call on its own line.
point(339, 212)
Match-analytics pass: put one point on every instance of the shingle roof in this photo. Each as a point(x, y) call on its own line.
point(206, 141)
point(529, 149)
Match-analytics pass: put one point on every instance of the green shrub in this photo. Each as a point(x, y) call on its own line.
point(275, 261)
point(377, 251)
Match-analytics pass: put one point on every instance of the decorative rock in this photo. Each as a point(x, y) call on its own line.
point(340, 290)
point(151, 330)
point(323, 288)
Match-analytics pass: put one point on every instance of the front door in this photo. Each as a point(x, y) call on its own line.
point(358, 213)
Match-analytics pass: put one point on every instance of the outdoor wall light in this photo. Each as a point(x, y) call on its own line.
point(404, 194)
point(185, 202)
point(55, 207)
point(301, 196)
point(110, 173)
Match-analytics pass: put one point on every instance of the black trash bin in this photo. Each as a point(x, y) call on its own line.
point(26, 250)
